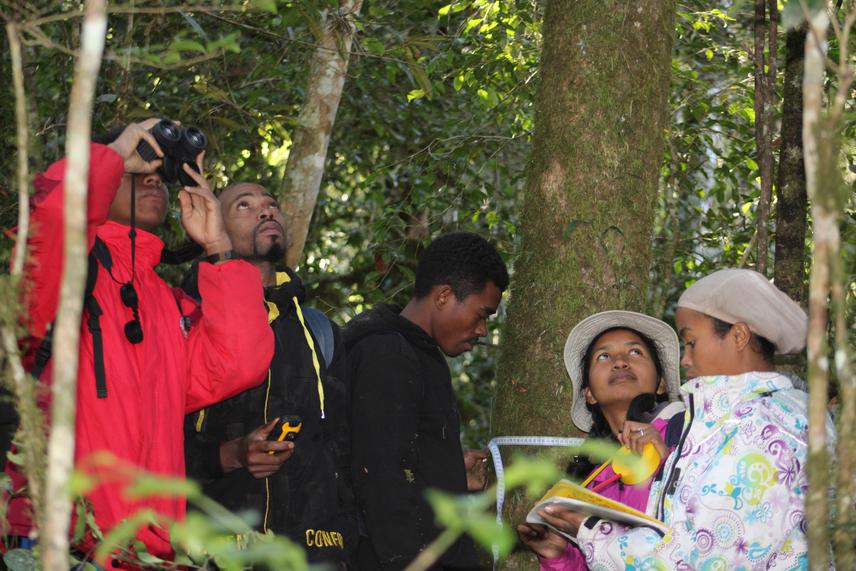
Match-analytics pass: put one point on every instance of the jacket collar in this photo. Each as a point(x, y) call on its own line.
point(148, 246)
point(288, 287)
point(716, 398)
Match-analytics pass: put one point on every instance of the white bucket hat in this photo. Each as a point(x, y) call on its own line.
point(738, 295)
point(588, 329)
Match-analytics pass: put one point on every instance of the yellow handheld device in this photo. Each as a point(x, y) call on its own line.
point(286, 429)
point(650, 463)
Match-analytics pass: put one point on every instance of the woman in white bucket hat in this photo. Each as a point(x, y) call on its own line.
point(734, 490)
point(613, 358)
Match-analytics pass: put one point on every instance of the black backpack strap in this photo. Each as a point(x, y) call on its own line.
point(99, 253)
point(43, 353)
point(322, 330)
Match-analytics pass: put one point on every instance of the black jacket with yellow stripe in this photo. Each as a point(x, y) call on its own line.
point(310, 498)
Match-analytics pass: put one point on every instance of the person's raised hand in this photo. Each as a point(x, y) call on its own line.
point(126, 147)
point(635, 435)
point(475, 462)
point(201, 214)
point(261, 457)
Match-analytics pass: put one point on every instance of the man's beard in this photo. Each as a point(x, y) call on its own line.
point(274, 254)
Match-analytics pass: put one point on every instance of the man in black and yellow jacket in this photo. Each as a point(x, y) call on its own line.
point(300, 489)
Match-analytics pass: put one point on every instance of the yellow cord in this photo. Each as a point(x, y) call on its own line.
point(267, 483)
point(315, 362)
point(594, 474)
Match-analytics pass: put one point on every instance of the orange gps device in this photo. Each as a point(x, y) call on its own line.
point(286, 429)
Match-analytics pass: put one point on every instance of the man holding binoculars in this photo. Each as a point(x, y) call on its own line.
point(141, 366)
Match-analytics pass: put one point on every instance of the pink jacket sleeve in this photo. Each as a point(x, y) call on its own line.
point(571, 560)
point(230, 349)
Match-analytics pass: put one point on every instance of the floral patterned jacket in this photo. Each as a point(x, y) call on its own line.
point(733, 491)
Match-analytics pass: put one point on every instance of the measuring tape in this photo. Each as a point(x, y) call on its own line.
point(493, 447)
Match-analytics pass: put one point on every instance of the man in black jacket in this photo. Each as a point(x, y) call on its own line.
point(405, 423)
point(301, 490)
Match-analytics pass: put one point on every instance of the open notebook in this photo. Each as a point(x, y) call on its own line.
point(573, 496)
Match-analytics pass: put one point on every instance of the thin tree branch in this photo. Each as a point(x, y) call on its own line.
point(23, 144)
point(41, 39)
point(823, 225)
point(158, 10)
point(55, 542)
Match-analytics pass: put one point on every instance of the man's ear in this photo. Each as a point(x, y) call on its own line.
point(442, 295)
point(661, 386)
point(589, 397)
point(741, 335)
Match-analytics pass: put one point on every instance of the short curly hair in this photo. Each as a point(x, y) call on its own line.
point(462, 260)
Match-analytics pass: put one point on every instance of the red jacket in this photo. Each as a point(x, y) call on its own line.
point(151, 385)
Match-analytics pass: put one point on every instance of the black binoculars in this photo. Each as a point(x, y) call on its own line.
point(180, 147)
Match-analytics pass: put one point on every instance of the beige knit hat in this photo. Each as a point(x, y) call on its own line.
point(746, 296)
point(591, 327)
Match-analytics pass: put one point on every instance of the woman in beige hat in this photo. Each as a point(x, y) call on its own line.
point(733, 491)
point(622, 365)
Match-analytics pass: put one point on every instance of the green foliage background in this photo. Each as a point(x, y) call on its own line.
point(432, 133)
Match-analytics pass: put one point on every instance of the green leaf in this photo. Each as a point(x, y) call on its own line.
point(265, 5)
point(446, 509)
point(708, 54)
point(122, 533)
point(536, 474)
point(20, 560)
point(147, 485)
point(492, 218)
point(484, 529)
point(374, 46)
point(415, 94)
point(106, 98)
point(472, 23)
point(80, 483)
point(187, 46)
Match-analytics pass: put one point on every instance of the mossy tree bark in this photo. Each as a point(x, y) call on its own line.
point(791, 200)
point(589, 207)
point(823, 124)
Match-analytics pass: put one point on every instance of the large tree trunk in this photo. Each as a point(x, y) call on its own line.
point(791, 202)
point(310, 139)
point(54, 538)
point(589, 207)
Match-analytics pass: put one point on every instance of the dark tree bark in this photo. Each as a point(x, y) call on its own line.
point(765, 94)
point(589, 207)
point(791, 204)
